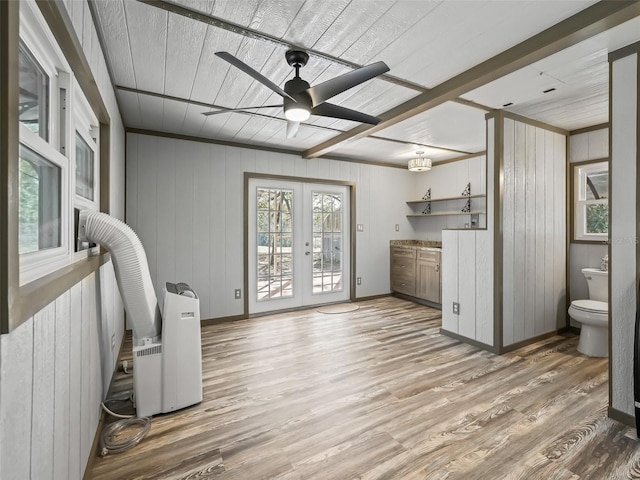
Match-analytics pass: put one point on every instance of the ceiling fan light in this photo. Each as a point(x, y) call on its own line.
point(420, 164)
point(297, 113)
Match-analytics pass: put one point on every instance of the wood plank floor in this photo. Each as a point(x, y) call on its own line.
point(379, 393)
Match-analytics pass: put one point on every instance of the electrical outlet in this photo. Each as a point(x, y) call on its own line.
point(113, 341)
point(238, 294)
point(397, 227)
point(359, 280)
point(456, 308)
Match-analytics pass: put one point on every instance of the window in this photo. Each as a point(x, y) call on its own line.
point(39, 207)
point(33, 106)
point(44, 183)
point(84, 169)
point(591, 201)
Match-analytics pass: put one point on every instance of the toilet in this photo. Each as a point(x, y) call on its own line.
point(593, 314)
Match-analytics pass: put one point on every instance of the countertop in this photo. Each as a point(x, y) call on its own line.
point(415, 243)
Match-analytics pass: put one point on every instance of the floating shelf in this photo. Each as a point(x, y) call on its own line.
point(444, 199)
point(443, 214)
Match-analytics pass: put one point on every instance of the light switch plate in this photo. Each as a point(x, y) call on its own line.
point(360, 227)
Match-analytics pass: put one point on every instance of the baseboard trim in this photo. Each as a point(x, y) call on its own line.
point(372, 297)
point(569, 329)
point(529, 341)
point(621, 417)
point(473, 343)
point(417, 300)
point(216, 321)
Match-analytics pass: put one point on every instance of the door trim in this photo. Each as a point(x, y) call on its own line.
point(351, 186)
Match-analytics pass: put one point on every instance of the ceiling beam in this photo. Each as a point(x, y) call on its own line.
point(209, 106)
point(575, 29)
point(265, 37)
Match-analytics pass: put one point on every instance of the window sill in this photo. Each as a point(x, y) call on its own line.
point(38, 294)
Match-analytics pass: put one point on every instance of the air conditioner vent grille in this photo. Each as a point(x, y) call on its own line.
point(155, 350)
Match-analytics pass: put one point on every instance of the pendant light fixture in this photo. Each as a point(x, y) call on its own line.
point(419, 164)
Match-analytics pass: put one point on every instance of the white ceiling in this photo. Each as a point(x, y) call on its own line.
point(154, 54)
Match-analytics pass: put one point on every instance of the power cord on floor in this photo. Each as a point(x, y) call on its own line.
point(109, 442)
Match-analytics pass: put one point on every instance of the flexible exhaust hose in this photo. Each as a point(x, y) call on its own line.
point(131, 268)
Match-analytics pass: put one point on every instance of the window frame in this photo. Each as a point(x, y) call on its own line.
point(35, 37)
point(19, 303)
point(579, 170)
point(84, 124)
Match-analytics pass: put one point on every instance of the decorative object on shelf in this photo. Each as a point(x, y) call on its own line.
point(604, 263)
point(467, 190)
point(427, 196)
point(467, 207)
point(427, 209)
point(419, 164)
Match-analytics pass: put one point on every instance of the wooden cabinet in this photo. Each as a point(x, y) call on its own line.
point(416, 272)
point(403, 270)
point(428, 276)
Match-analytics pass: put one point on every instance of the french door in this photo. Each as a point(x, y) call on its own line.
point(299, 244)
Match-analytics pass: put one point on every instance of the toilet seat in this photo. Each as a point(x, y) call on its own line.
point(590, 306)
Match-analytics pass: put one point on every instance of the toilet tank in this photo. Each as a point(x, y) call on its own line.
point(598, 283)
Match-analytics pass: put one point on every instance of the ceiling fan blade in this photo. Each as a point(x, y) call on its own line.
point(336, 111)
point(254, 73)
point(241, 109)
point(325, 90)
point(292, 128)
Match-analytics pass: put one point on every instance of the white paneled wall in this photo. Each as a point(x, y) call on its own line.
point(582, 147)
point(534, 231)
point(622, 264)
point(56, 367)
point(185, 200)
point(533, 243)
point(467, 266)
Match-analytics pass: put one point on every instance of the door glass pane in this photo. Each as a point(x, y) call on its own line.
point(274, 243)
point(327, 242)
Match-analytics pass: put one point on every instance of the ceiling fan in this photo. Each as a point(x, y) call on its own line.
point(300, 100)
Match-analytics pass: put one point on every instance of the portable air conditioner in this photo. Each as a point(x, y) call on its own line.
point(167, 358)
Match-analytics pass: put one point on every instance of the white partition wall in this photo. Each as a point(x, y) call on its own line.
point(623, 208)
point(510, 279)
point(533, 231)
point(468, 271)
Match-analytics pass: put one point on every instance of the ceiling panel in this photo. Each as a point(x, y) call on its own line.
point(424, 42)
point(579, 74)
point(114, 28)
point(436, 127)
point(373, 149)
point(148, 44)
point(457, 35)
point(185, 42)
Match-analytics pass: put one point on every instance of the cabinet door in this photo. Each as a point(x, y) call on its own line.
point(428, 280)
point(403, 274)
